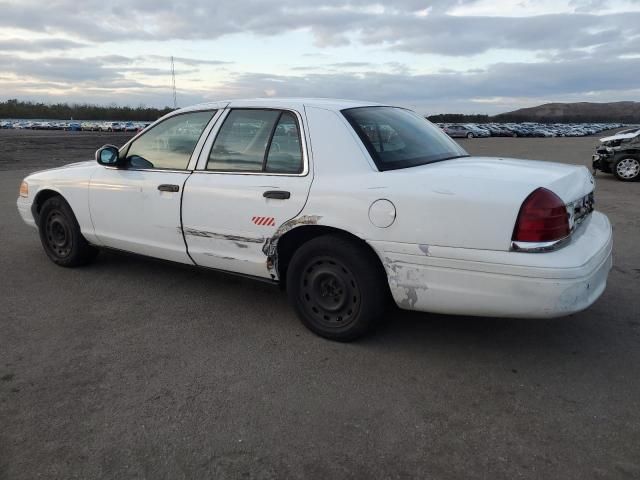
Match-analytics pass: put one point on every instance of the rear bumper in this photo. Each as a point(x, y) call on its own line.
point(502, 284)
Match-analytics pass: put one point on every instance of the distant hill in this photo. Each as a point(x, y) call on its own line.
point(627, 112)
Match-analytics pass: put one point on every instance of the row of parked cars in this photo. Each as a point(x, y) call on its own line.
point(526, 129)
point(75, 126)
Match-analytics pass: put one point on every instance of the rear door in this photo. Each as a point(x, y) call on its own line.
point(252, 176)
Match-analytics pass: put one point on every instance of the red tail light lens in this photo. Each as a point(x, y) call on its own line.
point(543, 218)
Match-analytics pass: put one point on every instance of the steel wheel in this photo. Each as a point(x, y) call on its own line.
point(628, 168)
point(61, 236)
point(58, 234)
point(329, 293)
point(337, 286)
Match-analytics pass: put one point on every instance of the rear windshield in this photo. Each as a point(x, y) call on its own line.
point(399, 138)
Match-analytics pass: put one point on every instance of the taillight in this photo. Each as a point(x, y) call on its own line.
point(543, 218)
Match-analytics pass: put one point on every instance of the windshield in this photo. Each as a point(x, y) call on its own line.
point(399, 138)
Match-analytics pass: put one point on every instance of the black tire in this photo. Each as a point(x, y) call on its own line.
point(337, 287)
point(627, 168)
point(469, 135)
point(61, 237)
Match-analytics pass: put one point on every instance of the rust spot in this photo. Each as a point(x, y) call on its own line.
point(270, 247)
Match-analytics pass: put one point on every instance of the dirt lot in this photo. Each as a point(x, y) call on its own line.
point(132, 368)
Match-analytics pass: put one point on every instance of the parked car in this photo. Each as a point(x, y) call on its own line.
point(458, 131)
point(499, 131)
point(73, 126)
point(477, 130)
point(111, 127)
point(619, 154)
point(90, 127)
point(384, 206)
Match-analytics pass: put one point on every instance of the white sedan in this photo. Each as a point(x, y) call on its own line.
point(346, 204)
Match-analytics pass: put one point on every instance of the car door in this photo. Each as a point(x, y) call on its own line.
point(455, 131)
point(253, 176)
point(136, 207)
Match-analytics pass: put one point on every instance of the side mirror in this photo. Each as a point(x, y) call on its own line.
point(107, 155)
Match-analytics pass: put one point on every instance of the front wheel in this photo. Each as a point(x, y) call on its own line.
point(337, 287)
point(469, 135)
point(61, 237)
point(627, 168)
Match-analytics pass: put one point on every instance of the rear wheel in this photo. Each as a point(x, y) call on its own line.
point(627, 168)
point(337, 287)
point(60, 235)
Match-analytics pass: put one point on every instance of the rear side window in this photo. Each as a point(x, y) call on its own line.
point(169, 144)
point(257, 141)
point(285, 152)
point(399, 138)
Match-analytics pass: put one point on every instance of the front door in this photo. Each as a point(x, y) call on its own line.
point(137, 207)
point(252, 177)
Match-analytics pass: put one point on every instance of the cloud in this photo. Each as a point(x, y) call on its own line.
point(39, 45)
point(58, 69)
point(331, 22)
point(185, 61)
point(527, 82)
point(523, 80)
point(589, 49)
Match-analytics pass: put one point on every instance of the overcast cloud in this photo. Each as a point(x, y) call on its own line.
point(452, 55)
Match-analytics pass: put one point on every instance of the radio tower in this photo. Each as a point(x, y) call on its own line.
point(173, 84)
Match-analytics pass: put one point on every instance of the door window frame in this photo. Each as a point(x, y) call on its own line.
point(193, 159)
point(201, 165)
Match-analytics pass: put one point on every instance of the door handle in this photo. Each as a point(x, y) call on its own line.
point(277, 194)
point(166, 187)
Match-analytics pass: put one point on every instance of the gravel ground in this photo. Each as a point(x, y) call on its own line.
point(133, 368)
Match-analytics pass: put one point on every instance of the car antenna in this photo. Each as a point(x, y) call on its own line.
point(173, 84)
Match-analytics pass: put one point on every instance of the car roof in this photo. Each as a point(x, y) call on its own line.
point(292, 103)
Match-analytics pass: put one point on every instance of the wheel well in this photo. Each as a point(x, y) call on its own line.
point(296, 237)
point(41, 197)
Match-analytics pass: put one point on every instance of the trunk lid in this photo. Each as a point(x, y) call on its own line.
point(473, 202)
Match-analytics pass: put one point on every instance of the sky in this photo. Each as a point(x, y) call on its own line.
point(453, 56)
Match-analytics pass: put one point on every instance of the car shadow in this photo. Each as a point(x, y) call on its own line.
point(401, 330)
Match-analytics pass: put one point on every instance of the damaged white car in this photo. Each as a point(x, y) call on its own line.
point(346, 204)
point(620, 155)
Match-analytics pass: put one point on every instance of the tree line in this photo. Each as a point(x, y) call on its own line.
point(459, 118)
point(84, 111)
point(14, 108)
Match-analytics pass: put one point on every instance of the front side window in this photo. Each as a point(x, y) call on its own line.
point(169, 144)
point(257, 141)
point(399, 138)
